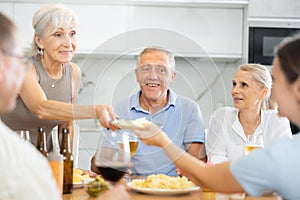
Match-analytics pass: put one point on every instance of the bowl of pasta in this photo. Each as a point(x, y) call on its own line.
point(160, 184)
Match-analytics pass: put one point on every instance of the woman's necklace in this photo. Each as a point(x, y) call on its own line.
point(55, 80)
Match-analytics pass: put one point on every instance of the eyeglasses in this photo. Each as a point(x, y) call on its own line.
point(26, 60)
point(159, 69)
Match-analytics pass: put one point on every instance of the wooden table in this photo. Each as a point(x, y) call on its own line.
point(80, 194)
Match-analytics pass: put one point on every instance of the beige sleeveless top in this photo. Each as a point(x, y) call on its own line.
point(60, 90)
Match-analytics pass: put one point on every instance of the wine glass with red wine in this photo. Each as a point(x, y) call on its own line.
point(111, 160)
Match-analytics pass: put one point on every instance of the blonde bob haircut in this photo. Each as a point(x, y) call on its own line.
point(262, 75)
point(48, 19)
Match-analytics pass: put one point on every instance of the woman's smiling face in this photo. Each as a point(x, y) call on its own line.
point(61, 45)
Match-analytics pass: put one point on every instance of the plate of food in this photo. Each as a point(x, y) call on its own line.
point(130, 124)
point(79, 178)
point(160, 184)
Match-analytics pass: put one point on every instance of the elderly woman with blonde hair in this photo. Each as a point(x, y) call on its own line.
point(254, 113)
point(50, 88)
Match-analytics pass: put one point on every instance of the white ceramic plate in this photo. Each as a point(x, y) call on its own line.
point(80, 184)
point(128, 124)
point(77, 184)
point(162, 191)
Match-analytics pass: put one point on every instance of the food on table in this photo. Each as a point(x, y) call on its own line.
point(94, 188)
point(161, 181)
point(78, 176)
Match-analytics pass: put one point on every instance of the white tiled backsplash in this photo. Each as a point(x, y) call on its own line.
point(88, 142)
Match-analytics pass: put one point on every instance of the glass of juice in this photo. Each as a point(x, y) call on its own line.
point(253, 142)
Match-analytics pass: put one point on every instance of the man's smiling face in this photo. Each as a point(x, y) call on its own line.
point(154, 75)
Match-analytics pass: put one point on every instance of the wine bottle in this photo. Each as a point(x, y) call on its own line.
point(41, 141)
point(68, 162)
point(56, 161)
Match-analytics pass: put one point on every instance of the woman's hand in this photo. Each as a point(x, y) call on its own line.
point(105, 114)
point(152, 134)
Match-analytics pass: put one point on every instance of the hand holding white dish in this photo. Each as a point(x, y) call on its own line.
point(130, 124)
point(148, 132)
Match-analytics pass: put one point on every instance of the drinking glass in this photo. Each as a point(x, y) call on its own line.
point(113, 155)
point(133, 145)
point(25, 135)
point(253, 142)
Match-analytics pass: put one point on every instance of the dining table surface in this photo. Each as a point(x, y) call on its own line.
point(81, 194)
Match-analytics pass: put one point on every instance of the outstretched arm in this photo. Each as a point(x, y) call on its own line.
point(35, 99)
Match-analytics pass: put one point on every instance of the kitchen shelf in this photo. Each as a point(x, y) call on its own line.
point(274, 22)
point(175, 3)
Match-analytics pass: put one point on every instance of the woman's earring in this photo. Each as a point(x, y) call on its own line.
point(40, 51)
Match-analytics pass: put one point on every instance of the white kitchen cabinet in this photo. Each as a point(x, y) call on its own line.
point(23, 14)
point(274, 8)
point(97, 23)
point(218, 31)
point(107, 28)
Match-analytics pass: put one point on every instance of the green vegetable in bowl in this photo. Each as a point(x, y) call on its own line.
point(96, 187)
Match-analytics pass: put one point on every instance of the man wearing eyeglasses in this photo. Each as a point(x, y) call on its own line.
point(22, 168)
point(180, 117)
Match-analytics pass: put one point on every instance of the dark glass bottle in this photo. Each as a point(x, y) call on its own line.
point(41, 142)
point(68, 162)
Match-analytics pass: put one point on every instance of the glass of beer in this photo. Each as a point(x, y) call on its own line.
point(133, 143)
point(253, 142)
